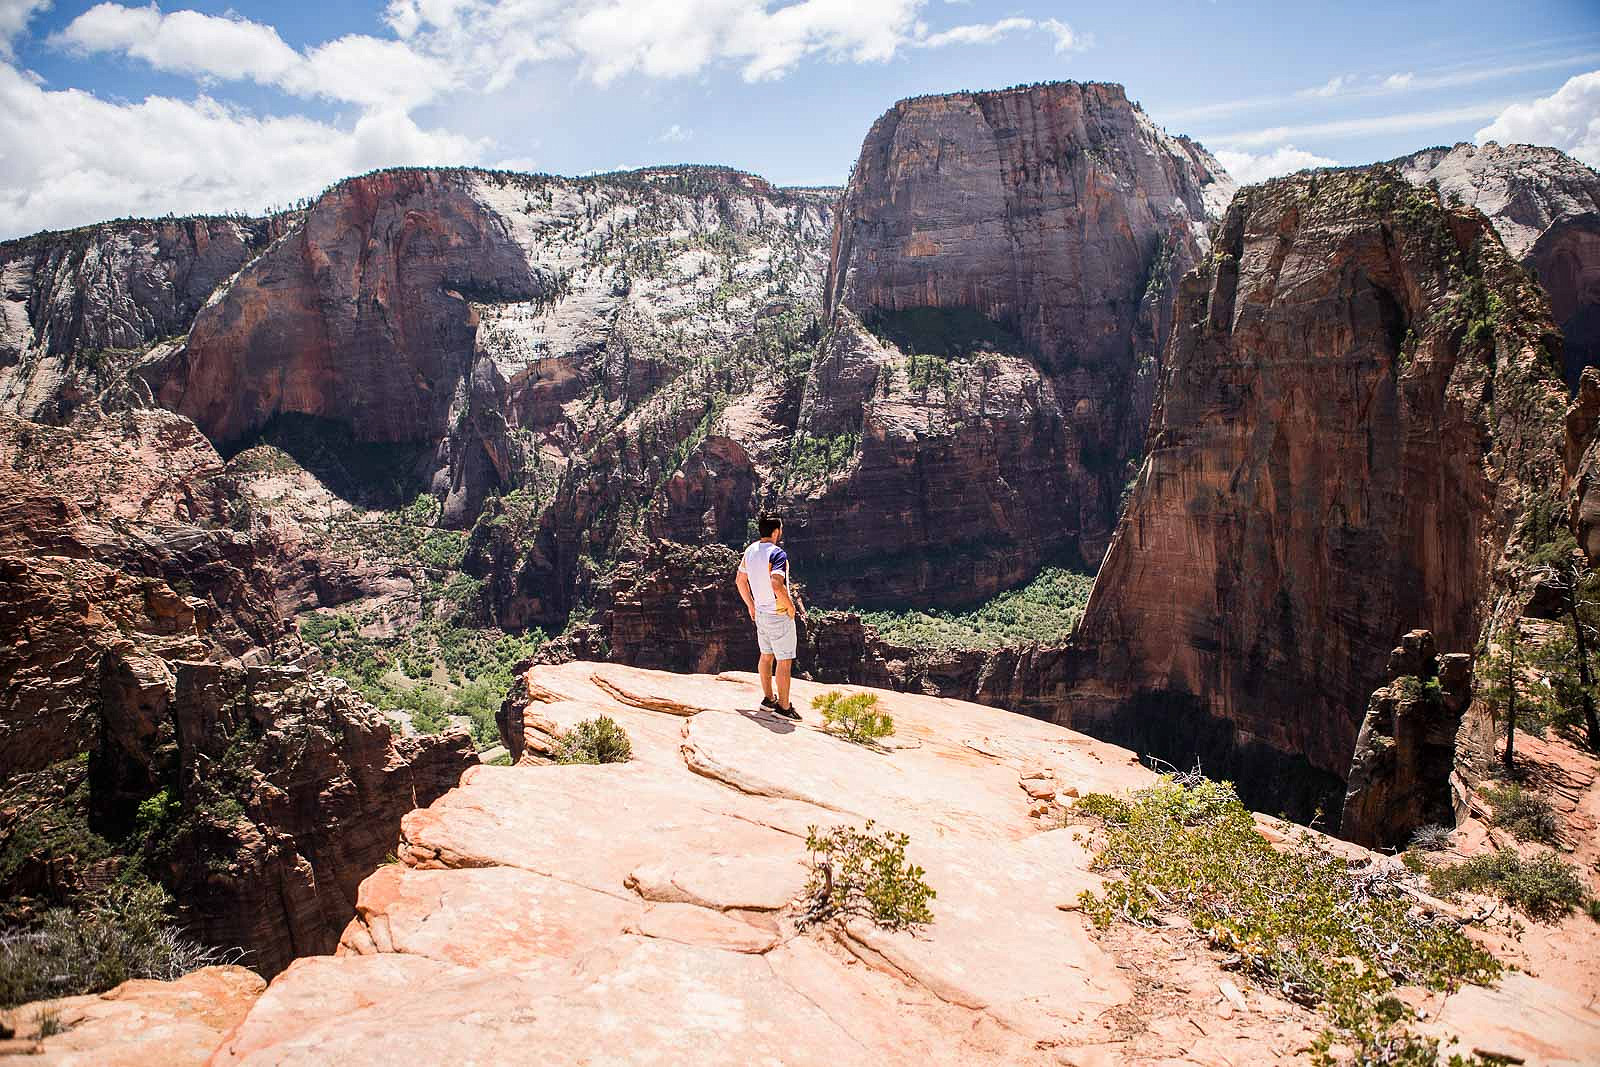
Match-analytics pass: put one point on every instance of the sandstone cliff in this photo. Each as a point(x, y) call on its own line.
point(140, 734)
point(1546, 207)
point(77, 308)
point(1359, 427)
point(999, 287)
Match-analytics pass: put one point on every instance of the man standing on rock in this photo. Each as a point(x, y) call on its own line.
point(763, 582)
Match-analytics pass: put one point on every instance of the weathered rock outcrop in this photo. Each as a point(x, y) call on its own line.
point(133, 624)
point(77, 307)
point(1015, 254)
point(1546, 207)
point(1360, 420)
point(287, 790)
point(651, 908)
point(1406, 750)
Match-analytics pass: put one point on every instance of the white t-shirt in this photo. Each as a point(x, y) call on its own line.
point(761, 560)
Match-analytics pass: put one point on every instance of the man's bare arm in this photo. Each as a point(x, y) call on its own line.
point(742, 580)
point(780, 590)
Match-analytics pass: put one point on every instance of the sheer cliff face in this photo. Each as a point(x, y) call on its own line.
point(1359, 421)
point(501, 318)
point(73, 304)
point(1546, 207)
point(1041, 208)
point(1029, 242)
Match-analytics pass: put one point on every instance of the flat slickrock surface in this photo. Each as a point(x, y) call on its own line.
point(646, 912)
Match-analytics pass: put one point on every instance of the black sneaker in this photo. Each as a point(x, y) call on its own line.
point(768, 704)
point(788, 712)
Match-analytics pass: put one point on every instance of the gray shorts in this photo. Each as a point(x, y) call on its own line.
point(776, 635)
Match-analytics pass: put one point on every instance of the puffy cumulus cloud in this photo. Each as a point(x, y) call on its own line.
point(682, 37)
point(73, 158)
point(14, 16)
point(357, 69)
point(1568, 119)
point(679, 38)
point(184, 42)
point(1248, 167)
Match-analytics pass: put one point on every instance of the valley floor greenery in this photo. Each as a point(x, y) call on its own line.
point(438, 673)
point(1042, 612)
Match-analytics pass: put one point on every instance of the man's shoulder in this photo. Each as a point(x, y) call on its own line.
point(778, 559)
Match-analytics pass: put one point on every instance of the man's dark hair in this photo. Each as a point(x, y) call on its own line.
point(768, 524)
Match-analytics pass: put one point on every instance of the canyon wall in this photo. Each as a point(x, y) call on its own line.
point(1360, 425)
point(999, 285)
point(1546, 207)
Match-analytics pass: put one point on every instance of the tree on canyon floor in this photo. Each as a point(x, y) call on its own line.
point(1568, 657)
point(1513, 689)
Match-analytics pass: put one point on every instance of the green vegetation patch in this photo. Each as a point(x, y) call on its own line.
point(1042, 612)
point(1526, 815)
point(863, 874)
point(1545, 887)
point(1301, 921)
point(594, 741)
point(476, 666)
point(855, 717)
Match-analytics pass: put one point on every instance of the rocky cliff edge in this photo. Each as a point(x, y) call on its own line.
point(645, 912)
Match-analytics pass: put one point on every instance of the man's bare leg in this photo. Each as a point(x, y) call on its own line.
point(766, 676)
point(783, 681)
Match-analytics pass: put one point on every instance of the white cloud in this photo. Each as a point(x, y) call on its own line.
point(1066, 39)
point(991, 32)
point(1334, 87)
point(675, 134)
point(980, 33)
point(1399, 81)
point(1403, 122)
point(14, 16)
point(1568, 119)
point(1248, 168)
point(355, 68)
point(72, 158)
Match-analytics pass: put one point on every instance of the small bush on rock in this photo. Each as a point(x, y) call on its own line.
point(1526, 815)
point(855, 718)
point(1546, 887)
point(858, 873)
point(1431, 838)
point(599, 740)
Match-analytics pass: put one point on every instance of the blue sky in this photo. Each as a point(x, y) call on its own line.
point(110, 109)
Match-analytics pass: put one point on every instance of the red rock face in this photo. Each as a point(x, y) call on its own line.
point(77, 302)
point(1041, 208)
point(129, 608)
point(361, 315)
point(1059, 218)
point(1349, 432)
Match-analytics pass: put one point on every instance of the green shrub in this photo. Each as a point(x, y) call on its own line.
point(855, 718)
point(1546, 887)
point(123, 933)
point(1299, 920)
point(599, 740)
point(48, 1024)
point(858, 873)
point(1526, 815)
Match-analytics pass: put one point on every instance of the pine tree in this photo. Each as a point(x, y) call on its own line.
point(1509, 686)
